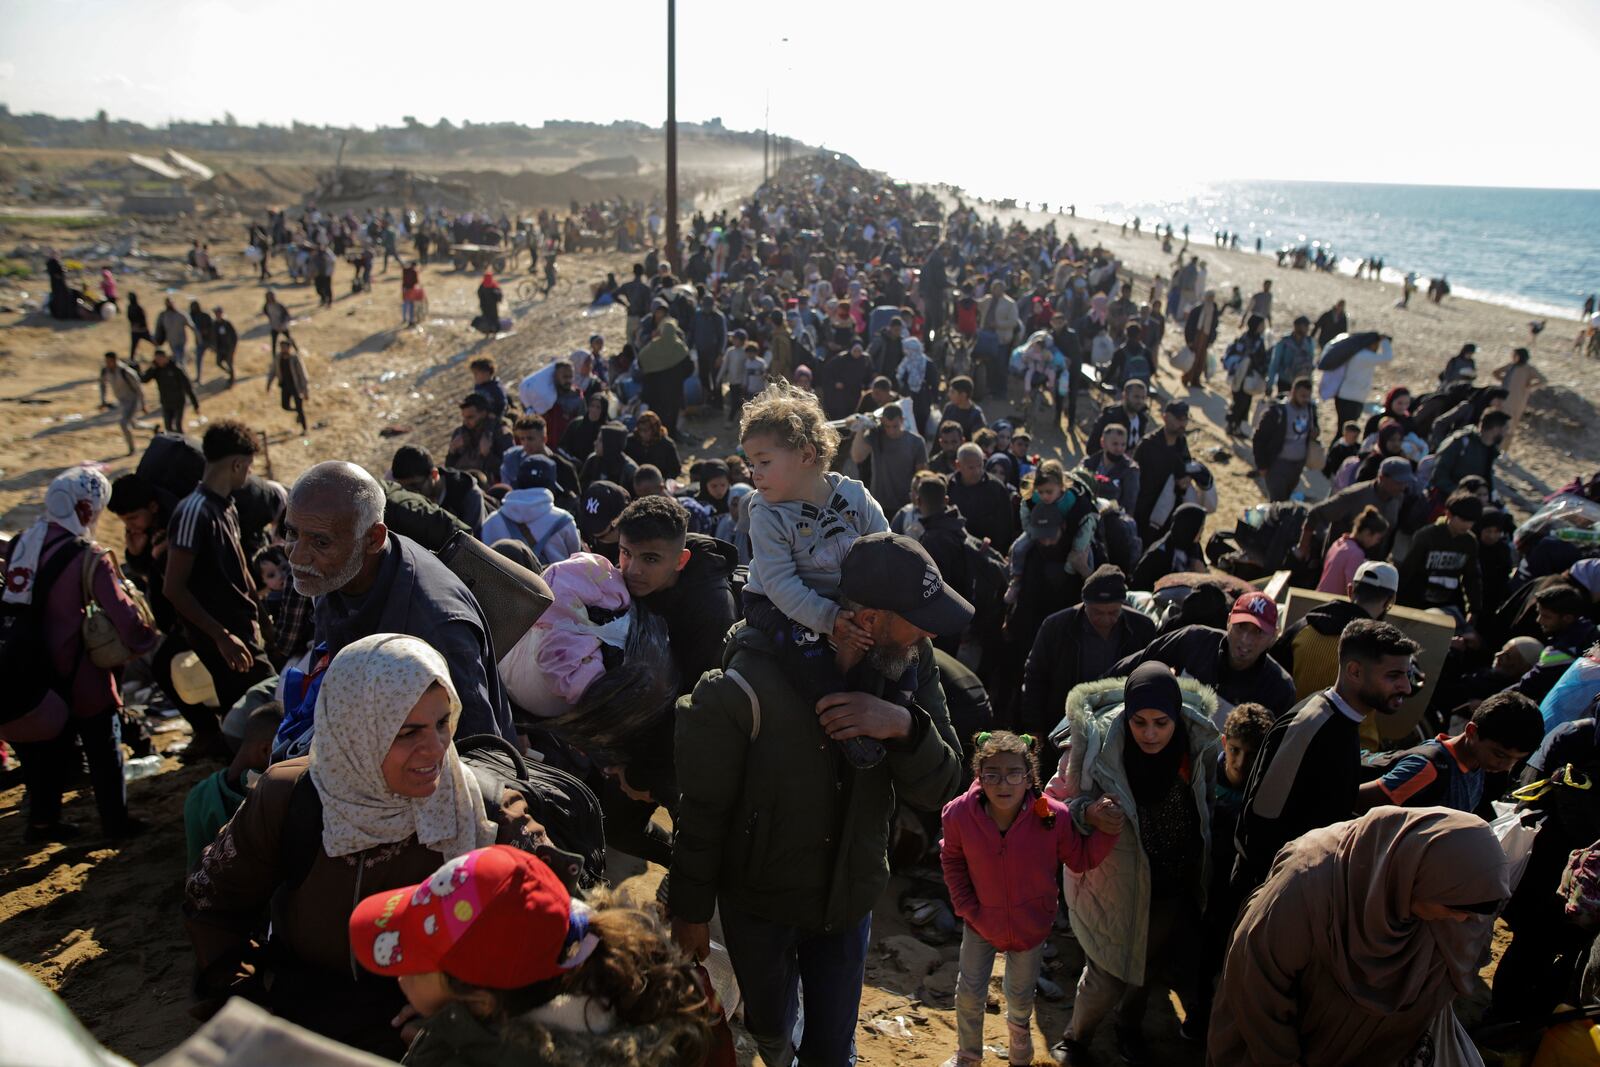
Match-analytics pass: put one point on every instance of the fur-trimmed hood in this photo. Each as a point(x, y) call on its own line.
point(1092, 712)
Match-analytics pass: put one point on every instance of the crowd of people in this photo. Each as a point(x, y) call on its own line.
point(878, 625)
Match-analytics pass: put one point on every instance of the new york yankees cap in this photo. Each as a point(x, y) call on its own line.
point(892, 572)
point(601, 504)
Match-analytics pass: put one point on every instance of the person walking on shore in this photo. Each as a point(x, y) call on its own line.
point(173, 387)
point(227, 341)
point(277, 320)
point(1259, 304)
point(290, 371)
point(1519, 379)
point(172, 329)
point(138, 328)
point(1331, 324)
point(122, 382)
point(1200, 333)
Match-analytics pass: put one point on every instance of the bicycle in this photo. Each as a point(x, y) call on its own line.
point(525, 291)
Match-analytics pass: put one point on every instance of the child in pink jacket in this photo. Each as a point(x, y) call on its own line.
point(1004, 841)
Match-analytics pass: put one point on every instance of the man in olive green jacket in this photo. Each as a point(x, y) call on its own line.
point(778, 829)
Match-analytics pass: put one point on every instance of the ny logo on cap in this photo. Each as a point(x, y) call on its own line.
point(1257, 605)
point(592, 505)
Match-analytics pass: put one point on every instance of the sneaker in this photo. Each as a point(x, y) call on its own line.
point(1019, 1044)
point(1070, 1053)
point(56, 831)
point(962, 1059)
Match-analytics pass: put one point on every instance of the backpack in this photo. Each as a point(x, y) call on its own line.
point(538, 544)
point(174, 462)
point(25, 656)
point(1119, 539)
point(559, 801)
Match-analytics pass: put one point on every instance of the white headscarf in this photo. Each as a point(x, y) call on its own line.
point(74, 501)
point(367, 693)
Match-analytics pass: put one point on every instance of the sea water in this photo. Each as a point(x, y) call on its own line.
point(1534, 249)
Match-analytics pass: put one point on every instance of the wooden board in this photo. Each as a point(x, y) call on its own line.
point(1431, 630)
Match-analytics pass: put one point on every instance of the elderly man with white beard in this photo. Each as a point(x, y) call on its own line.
point(366, 579)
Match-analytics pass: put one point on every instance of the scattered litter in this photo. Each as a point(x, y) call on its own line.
point(73, 417)
point(893, 1025)
point(388, 376)
point(394, 431)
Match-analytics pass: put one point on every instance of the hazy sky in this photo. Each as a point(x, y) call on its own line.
point(1041, 99)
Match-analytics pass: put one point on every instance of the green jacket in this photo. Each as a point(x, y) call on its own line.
point(772, 821)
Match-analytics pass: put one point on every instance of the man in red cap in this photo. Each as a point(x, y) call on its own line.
point(1235, 663)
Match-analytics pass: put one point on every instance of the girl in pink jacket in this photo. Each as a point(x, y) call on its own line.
point(1004, 841)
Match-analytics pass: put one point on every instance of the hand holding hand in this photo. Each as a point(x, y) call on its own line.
point(1106, 814)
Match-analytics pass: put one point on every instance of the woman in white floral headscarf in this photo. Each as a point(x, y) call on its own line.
point(381, 801)
point(59, 692)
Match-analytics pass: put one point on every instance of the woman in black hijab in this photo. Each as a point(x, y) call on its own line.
point(1176, 551)
point(1139, 751)
point(577, 440)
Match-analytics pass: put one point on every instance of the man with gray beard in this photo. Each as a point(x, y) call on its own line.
point(777, 830)
point(367, 580)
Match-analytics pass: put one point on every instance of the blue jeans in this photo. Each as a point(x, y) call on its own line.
point(773, 962)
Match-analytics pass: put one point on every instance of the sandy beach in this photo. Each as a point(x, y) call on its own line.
point(102, 925)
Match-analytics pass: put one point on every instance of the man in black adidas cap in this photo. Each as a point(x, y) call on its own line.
point(776, 826)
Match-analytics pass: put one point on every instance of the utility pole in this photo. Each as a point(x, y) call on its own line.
point(672, 138)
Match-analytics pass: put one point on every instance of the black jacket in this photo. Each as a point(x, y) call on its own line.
point(945, 538)
point(172, 385)
point(698, 608)
point(1202, 654)
point(1055, 663)
point(463, 499)
point(1158, 461)
point(1274, 427)
point(1116, 414)
point(661, 452)
point(987, 508)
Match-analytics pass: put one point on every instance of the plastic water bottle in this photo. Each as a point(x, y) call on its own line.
point(1578, 536)
point(143, 767)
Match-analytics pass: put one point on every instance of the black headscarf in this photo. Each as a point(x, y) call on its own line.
point(1152, 686)
point(1183, 530)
